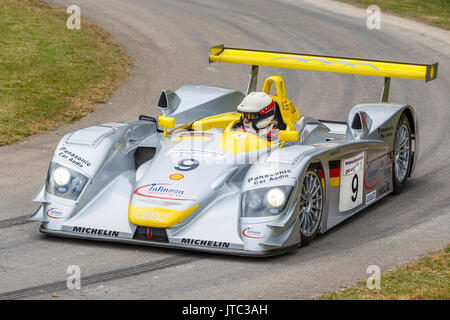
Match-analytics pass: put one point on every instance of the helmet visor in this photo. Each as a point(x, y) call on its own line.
point(250, 116)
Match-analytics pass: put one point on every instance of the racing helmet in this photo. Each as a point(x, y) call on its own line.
point(258, 108)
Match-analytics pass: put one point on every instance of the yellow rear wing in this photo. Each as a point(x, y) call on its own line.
point(386, 69)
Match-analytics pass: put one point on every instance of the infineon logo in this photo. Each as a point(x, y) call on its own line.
point(161, 191)
point(251, 233)
point(55, 213)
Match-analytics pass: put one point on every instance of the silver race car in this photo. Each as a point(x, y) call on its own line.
point(191, 180)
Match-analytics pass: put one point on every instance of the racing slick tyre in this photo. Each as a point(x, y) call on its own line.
point(311, 206)
point(401, 154)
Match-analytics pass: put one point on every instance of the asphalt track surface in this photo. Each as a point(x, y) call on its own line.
point(168, 43)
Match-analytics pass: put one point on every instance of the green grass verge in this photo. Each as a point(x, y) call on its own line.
point(426, 278)
point(49, 74)
point(435, 12)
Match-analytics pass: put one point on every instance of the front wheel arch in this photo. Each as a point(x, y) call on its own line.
point(412, 124)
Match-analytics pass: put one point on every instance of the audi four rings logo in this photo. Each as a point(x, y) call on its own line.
point(151, 216)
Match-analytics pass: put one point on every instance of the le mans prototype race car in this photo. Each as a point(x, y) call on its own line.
point(191, 180)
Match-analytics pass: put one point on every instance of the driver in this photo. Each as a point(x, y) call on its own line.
point(258, 114)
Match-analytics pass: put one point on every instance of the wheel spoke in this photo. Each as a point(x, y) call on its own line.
point(302, 218)
point(316, 189)
point(311, 184)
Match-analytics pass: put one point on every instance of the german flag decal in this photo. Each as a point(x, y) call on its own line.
point(196, 135)
point(318, 167)
point(322, 178)
point(335, 172)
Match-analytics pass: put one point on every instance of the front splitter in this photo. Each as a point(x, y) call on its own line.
point(227, 251)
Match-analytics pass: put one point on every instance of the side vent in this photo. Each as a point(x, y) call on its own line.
point(162, 102)
point(361, 124)
point(356, 123)
point(90, 136)
point(150, 234)
point(168, 102)
point(142, 155)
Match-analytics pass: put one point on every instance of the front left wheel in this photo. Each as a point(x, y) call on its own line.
point(401, 154)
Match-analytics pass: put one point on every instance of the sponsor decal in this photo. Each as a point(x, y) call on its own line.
point(378, 171)
point(195, 135)
point(335, 172)
point(187, 165)
point(55, 213)
point(385, 132)
point(199, 152)
point(98, 232)
point(319, 61)
point(176, 176)
point(146, 215)
point(157, 217)
point(252, 233)
point(161, 191)
point(371, 177)
point(274, 176)
point(353, 165)
point(351, 182)
point(239, 135)
point(73, 157)
point(205, 243)
point(371, 197)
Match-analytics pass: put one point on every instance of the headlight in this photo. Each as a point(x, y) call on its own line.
point(265, 202)
point(64, 182)
point(274, 198)
point(61, 176)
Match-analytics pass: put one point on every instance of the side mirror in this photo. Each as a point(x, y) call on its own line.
point(166, 122)
point(288, 136)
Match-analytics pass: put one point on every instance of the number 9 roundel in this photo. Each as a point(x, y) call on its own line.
point(351, 188)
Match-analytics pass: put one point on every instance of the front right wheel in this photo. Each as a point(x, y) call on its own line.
point(311, 206)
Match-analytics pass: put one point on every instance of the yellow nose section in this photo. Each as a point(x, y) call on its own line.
point(157, 217)
point(241, 141)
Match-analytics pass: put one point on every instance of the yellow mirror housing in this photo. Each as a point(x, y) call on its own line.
point(289, 136)
point(166, 122)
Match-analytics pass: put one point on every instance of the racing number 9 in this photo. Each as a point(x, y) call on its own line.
point(355, 187)
point(351, 182)
point(187, 165)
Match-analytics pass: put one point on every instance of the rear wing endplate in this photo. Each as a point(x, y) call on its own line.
point(379, 68)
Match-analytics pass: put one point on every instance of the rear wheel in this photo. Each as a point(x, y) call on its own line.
point(311, 206)
point(401, 154)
